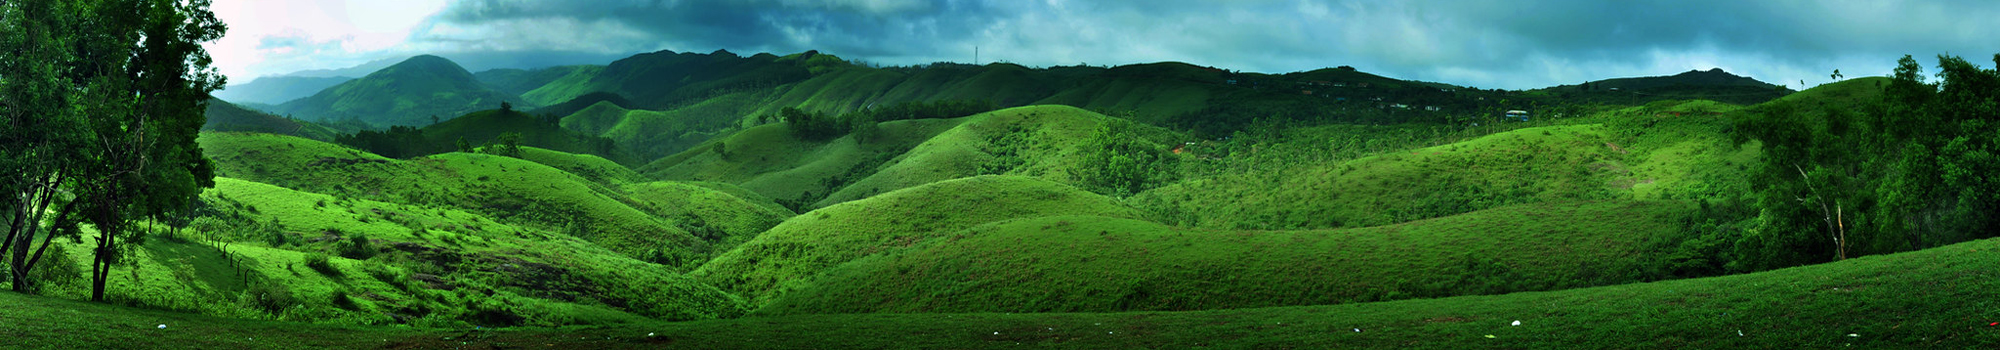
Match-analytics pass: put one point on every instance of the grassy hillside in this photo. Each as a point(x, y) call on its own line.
point(1097, 264)
point(581, 102)
point(653, 134)
point(225, 116)
point(266, 252)
point(1340, 176)
point(803, 246)
point(1935, 298)
point(412, 92)
point(513, 190)
point(520, 81)
point(1037, 141)
point(661, 79)
point(771, 161)
point(484, 127)
point(564, 88)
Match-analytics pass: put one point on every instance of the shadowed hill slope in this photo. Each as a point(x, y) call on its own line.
point(225, 116)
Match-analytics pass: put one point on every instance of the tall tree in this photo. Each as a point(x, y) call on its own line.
point(116, 143)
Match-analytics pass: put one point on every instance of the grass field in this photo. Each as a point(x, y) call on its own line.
point(811, 242)
point(1936, 298)
point(1099, 264)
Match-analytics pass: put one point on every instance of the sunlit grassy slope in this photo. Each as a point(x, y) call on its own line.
point(805, 245)
point(1099, 264)
point(1936, 298)
point(422, 266)
point(1669, 150)
point(1036, 141)
point(441, 241)
point(515, 190)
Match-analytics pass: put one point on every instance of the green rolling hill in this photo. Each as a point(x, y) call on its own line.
point(409, 93)
point(520, 81)
point(1914, 299)
point(656, 203)
point(225, 116)
point(1712, 84)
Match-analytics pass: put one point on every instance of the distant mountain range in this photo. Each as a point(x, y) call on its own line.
point(662, 102)
point(412, 92)
point(278, 89)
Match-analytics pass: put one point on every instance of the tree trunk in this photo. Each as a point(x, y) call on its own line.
point(101, 265)
point(16, 258)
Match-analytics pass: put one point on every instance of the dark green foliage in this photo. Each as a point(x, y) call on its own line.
point(224, 116)
point(507, 144)
point(322, 263)
point(358, 247)
point(1911, 169)
point(1713, 84)
point(102, 101)
point(1120, 161)
point(397, 142)
point(270, 296)
point(485, 127)
point(811, 125)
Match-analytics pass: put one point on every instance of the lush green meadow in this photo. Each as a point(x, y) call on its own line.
point(1937, 298)
point(685, 200)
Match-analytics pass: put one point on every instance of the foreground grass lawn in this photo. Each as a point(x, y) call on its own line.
point(1947, 297)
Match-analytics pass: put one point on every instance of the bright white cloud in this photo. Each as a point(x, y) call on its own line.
point(274, 37)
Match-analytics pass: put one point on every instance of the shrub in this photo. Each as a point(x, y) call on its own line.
point(344, 300)
point(358, 247)
point(272, 298)
point(322, 263)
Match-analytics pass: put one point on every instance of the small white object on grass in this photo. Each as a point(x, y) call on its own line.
point(1853, 335)
point(1357, 330)
point(1739, 332)
point(163, 326)
point(1517, 322)
point(649, 334)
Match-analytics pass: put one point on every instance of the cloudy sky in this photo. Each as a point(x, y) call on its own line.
point(1487, 44)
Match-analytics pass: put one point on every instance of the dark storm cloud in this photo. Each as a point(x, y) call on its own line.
point(854, 28)
point(1511, 44)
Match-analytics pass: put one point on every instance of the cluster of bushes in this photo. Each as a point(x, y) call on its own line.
point(1121, 161)
point(1914, 170)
